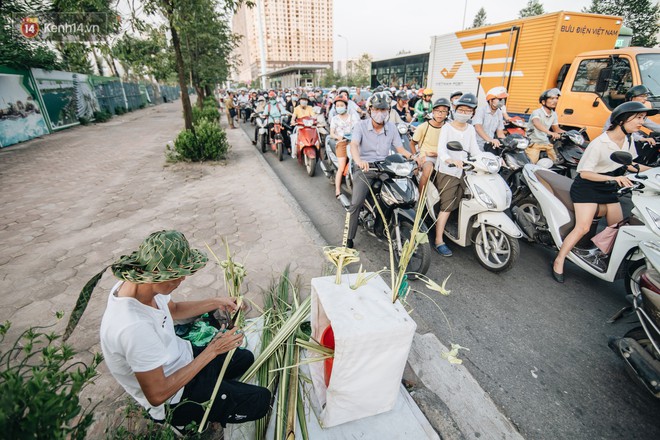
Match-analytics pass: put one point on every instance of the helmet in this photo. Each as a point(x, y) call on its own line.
point(497, 92)
point(271, 94)
point(379, 89)
point(340, 98)
point(468, 100)
point(455, 93)
point(303, 95)
point(393, 89)
point(549, 94)
point(401, 95)
point(635, 91)
point(342, 90)
point(441, 102)
point(380, 100)
point(627, 109)
point(420, 92)
point(428, 92)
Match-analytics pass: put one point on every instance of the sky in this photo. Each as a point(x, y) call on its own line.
point(383, 28)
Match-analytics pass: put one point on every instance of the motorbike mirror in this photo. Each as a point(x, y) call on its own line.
point(622, 157)
point(454, 146)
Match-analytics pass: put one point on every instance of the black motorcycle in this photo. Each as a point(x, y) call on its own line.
point(396, 194)
point(569, 148)
point(512, 151)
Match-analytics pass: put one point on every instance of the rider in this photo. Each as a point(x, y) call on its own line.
point(454, 97)
point(273, 110)
point(543, 122)
point(424, 107)
point(427, 135)
point(341, 125)
point(591, 192)
point(302, 110)
point(448, 179)
point(372, 140)
point(258, 109)
point(641, 94)
point(353, 108)
point(401, 112)
point(489, 121)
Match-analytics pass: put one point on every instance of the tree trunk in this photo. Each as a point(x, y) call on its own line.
point(98, 60)
point(200, 96)
point(180, 68)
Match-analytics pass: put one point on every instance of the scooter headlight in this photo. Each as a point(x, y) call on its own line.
point(388, 197)
point(403, 129)
point(576, 138)
point(485, 198)
point(654, 216)
point(511, 162)
point(400, 169)
point(491, 164)
point(308, 122)
point(522, 143)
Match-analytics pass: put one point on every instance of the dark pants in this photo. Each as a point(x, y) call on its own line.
point(236, 402)
point(361, 184)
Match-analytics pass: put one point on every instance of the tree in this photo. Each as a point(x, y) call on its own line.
point(480, 18)
point(331, 78)
point(146, 56)
point(642, 16)
point(534, 7)
point(362, 71)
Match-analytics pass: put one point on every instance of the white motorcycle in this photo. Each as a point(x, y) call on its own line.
point(480, 217)
point(548, 217)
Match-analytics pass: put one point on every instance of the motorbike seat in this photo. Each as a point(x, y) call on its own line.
point(559, 186)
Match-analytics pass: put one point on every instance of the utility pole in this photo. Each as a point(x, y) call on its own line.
point(262, 42)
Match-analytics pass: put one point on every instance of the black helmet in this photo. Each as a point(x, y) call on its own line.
point(627, 109)
point(401, 94)
point(380, 100)
point(549, 93)
point(637, 91)
point(455, 93)
point(379, 89)
point(441, 102)
point(304, 96)
point(468, 100)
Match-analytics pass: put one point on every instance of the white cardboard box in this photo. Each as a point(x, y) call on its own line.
point(372, 341)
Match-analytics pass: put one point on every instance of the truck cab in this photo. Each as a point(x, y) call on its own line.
point(596, 82)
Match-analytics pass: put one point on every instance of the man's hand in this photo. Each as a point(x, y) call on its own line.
point(364, 166)
point(227, 304)
point(225, 342)
point(649, 140)
point(496, 143)
point(554, 135)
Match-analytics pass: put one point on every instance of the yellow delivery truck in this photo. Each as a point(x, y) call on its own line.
point(569, 50)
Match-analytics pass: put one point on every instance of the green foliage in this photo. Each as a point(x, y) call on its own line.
point(40, 386)
point(120, 110)
point(150, 55)
point(138, 425)
point(75, 57)
point(534, 7)
point(643, 16)
point(84, 120)
point(207, 142)
point(480, 18)
point(102, 116)
point(207, 112)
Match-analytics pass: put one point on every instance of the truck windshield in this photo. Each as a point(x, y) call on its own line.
point(649, 70)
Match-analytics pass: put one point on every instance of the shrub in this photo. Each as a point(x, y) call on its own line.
point(120, 110)
point(208, 142)
point(84, 120)
point(102, 116)
point(207, 112)
point(39, 387)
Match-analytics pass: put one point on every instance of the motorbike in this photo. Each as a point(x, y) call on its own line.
point(569, 149)
point(397, 195)
point(512, 151)
point(276, 138)
point(245, 109)
point(515, 125)
point(406, 131)
point(649, 154)
point(330, 166)
point(640, 347)
point(262, 134)
point(308, 145)
point(480, 217)
point(322, 127)
point(547, 217)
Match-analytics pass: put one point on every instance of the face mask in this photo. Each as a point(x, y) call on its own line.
point(454, 101)
point(303, 103)
point(341, 110)
point(500, 104)
point(379, 117)
point(460, 117)
point(294, 99)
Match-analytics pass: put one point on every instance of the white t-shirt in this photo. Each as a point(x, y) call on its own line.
point(467, 138)
point(343, 126)
point(596, 157)
point(138, 338)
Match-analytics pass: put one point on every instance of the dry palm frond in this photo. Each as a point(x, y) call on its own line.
point(340, 257)
point(452, 355)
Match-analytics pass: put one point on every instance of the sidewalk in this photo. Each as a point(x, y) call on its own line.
point(74, 201)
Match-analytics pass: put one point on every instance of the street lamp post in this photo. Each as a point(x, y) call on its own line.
point(341, 36)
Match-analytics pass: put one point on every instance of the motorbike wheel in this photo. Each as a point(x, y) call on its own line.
point(504, 249)
point(261, 144)
point(310, 165)
point(420, 260)
point(633, 273)
point(639, 335)
point(280, 153)
point(530, 207)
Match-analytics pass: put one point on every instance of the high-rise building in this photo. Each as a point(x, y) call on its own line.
point(295, 33)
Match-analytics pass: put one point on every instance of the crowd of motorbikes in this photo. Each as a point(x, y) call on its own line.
point(507, 199)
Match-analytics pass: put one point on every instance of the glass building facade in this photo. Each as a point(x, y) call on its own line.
point(409, 70)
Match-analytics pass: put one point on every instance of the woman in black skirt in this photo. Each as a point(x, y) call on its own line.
point(594, 192)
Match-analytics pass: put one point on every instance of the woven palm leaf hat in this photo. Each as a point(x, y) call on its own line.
point(162, 256)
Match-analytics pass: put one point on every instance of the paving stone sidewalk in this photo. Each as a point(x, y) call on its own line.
point(74, 201)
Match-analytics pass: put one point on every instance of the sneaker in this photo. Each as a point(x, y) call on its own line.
point(443, 250)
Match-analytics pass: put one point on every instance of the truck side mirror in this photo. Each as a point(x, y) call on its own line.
point(603, 80)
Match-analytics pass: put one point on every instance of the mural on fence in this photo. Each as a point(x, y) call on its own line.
point(20, 114)
point(67, 96)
